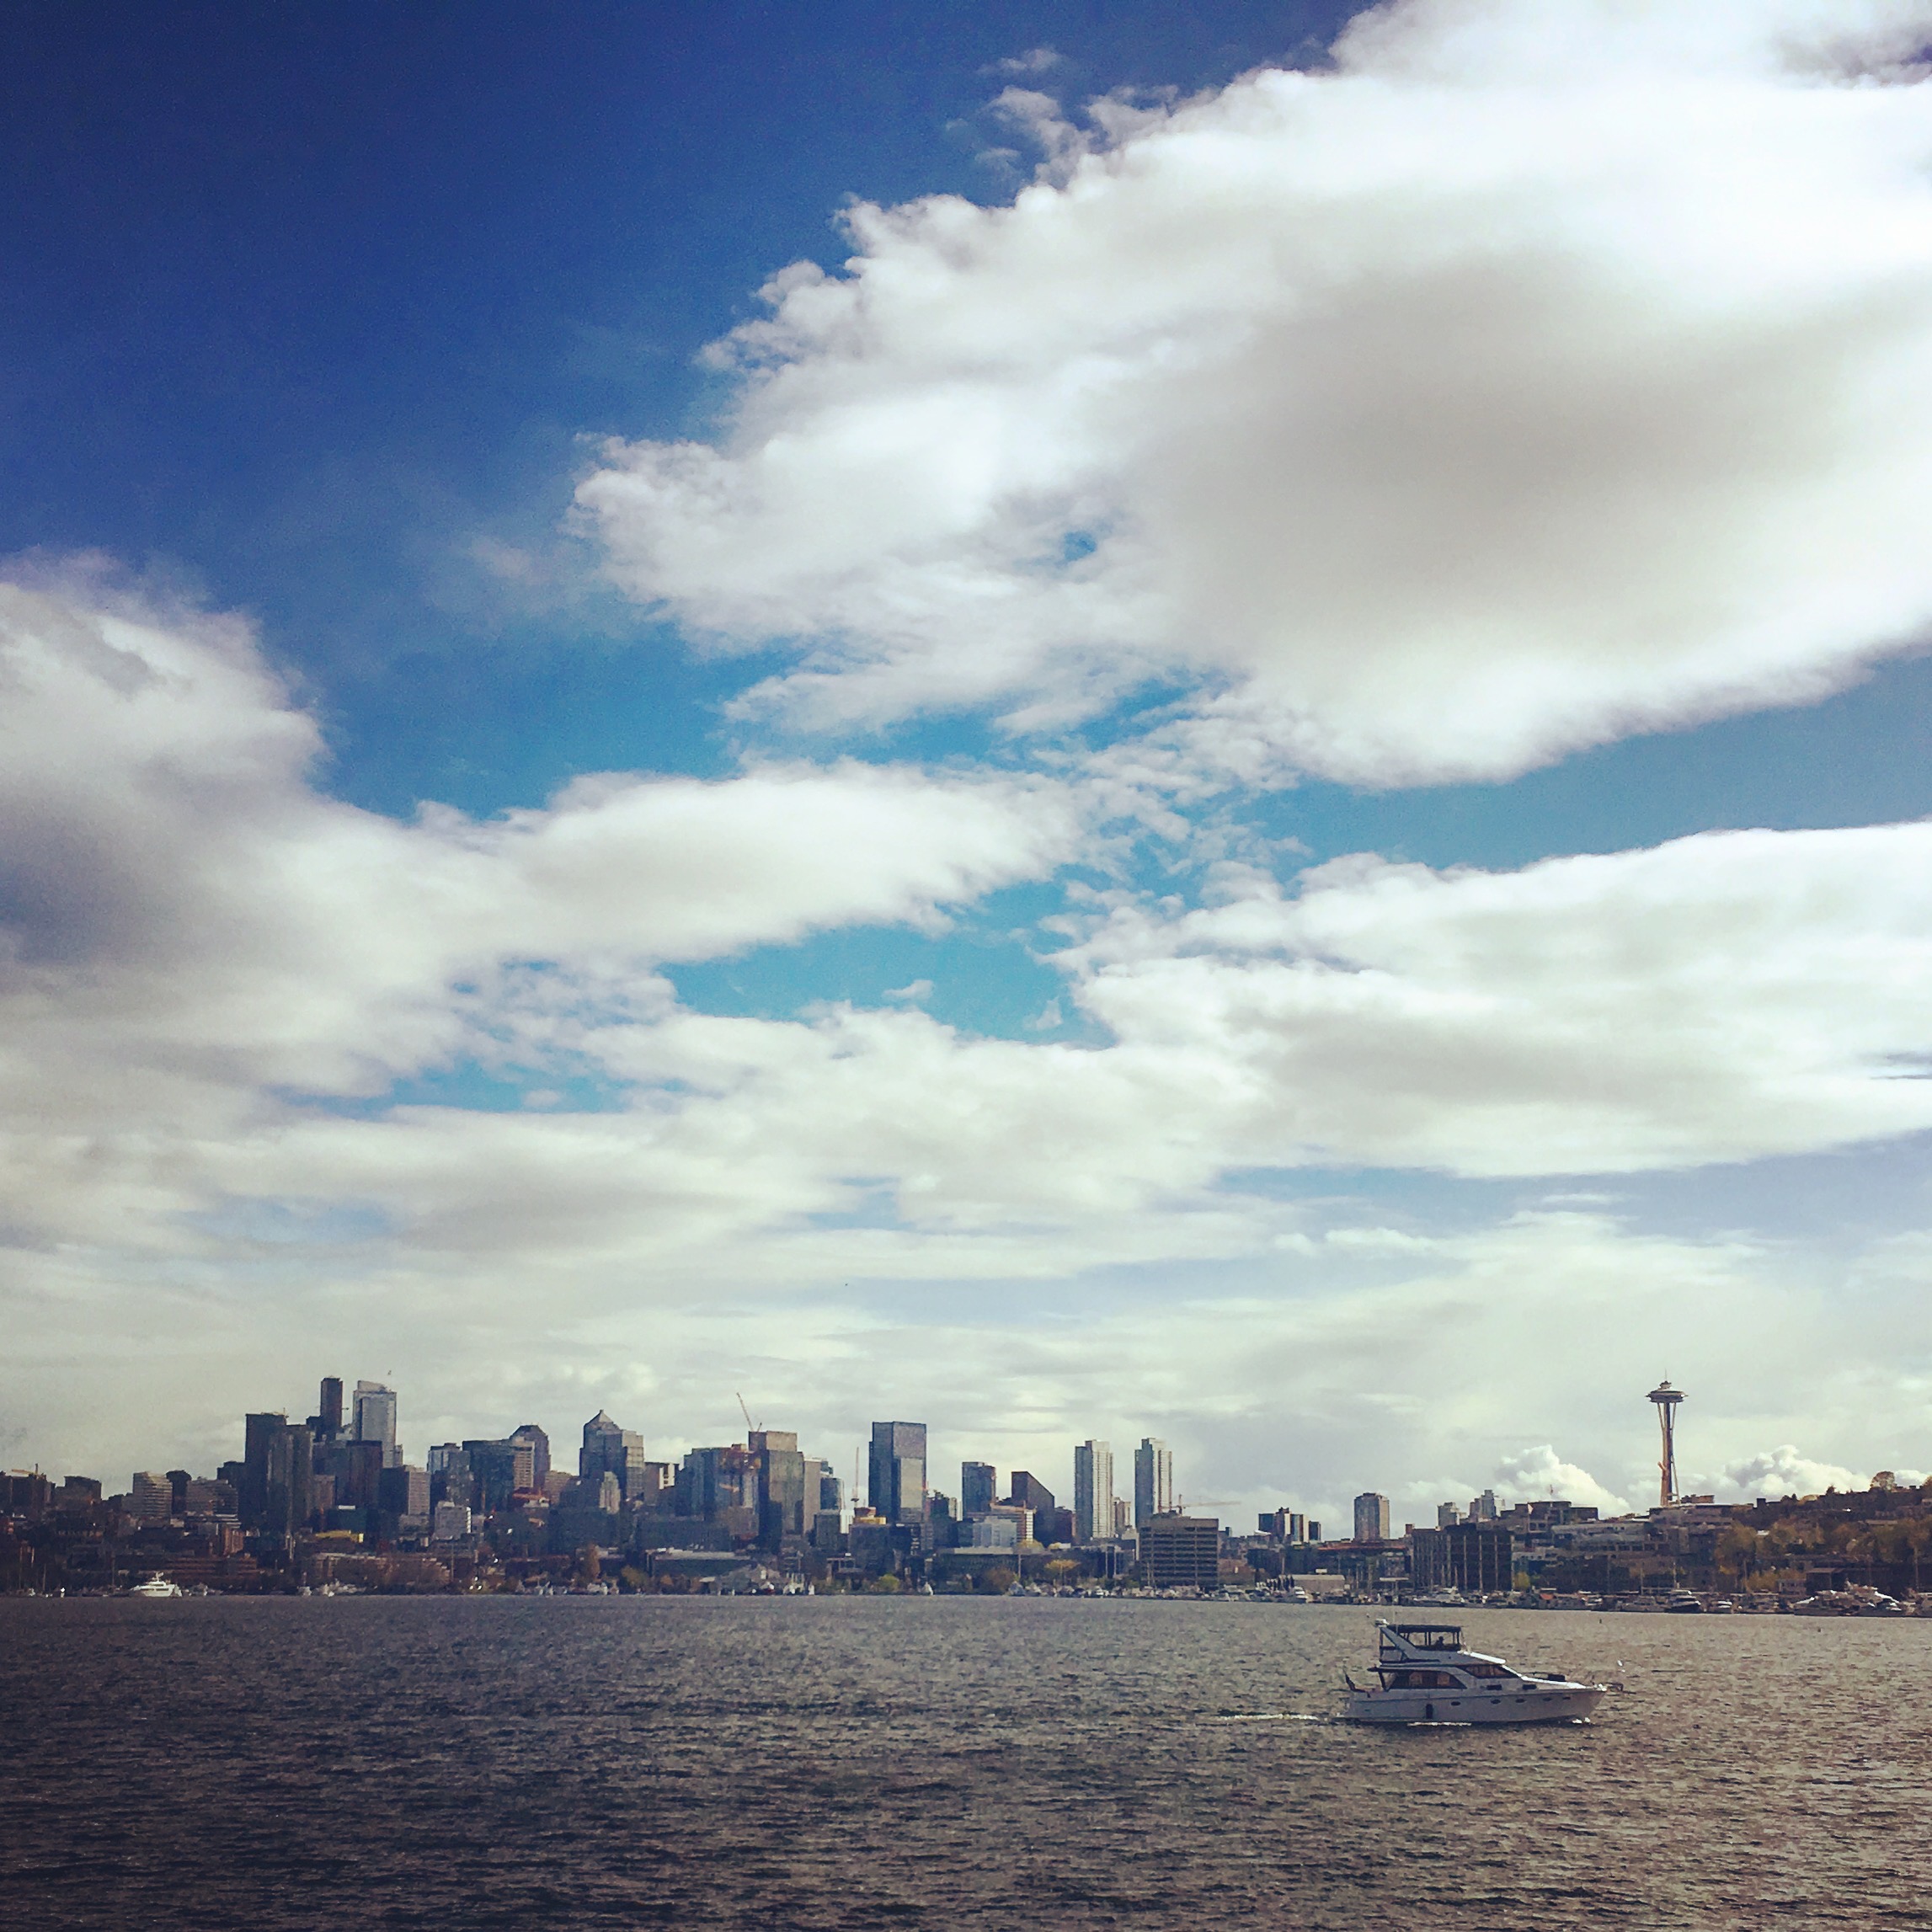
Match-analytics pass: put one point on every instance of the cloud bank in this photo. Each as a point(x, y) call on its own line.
point(1539, 373)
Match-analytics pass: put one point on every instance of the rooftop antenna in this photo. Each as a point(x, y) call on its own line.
point(1666, 1399)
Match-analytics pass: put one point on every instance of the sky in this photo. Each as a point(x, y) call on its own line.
point(1070, 720)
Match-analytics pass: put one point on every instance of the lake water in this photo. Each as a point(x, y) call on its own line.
point(556, 1763)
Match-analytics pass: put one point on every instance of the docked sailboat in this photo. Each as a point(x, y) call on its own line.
point(1427, 1676)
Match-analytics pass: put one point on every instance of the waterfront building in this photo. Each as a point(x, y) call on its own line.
point(1371, 1517)
point(1153, 1481)
point(978, 1483)
point(896, 1475)
point(991, 1532)
point(1475, 1558)
point(375, 1419)
point(1093, 1491)
point(450, 1523)
point(1180, 1552)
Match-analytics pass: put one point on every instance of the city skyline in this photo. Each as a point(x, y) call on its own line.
point(894, 1459)
point(331, 1502)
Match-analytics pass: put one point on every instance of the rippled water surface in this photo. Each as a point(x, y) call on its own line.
point(933, 1762)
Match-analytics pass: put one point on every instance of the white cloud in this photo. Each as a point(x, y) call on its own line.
point(1034, 61)
point(1547, 370)
point(1532, 1474)
point(193, 931)
point(1716, 998)
point(187, 925)
point(1782, 1471)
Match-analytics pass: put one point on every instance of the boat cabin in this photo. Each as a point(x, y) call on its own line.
point(1420, 1636)
point(1404, 1646)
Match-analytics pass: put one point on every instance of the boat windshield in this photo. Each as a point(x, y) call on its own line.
point(1429, 1636)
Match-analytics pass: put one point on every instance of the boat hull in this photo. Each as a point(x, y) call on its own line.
point(1566, 1704)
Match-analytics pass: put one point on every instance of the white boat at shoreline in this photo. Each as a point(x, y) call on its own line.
point(156, 1586)
point(1428, 1676)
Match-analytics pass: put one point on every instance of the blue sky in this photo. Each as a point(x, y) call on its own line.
point(1420, 455)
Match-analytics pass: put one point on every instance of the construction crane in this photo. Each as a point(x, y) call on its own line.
point(751, 1428)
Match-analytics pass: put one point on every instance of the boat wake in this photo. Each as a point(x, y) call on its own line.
point(1273, 1717)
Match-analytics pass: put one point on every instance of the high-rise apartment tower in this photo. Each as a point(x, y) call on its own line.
point(1093, 1492)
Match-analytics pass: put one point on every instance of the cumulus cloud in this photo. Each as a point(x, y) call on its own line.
point(1533, 1474)
point(1544, 371)
point(1718, 997)
point(213, 974)
point(187, 925)
point(1782, 1471)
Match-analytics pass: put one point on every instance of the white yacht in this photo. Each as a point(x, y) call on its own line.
point(156, 1586)
point(1427, 1677)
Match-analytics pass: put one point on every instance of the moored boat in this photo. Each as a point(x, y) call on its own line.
point(1427, 1676)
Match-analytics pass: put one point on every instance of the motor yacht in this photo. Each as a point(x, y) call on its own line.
point(1428, 1676)
point(156, 1586)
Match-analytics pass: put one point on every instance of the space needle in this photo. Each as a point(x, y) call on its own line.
point(1666, 1399)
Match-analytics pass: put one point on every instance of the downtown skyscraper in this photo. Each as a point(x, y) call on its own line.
point(1153, 1481)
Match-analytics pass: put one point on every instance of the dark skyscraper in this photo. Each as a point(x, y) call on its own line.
point(896, 1480)
point(538, 1444)
point(328, 1410)
point(1029, 1492)
point(783, 1504)
point(252, 1493)
point(978, 1481)
point(501, 1469)
point(288, 1485)
point(621, 1451)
